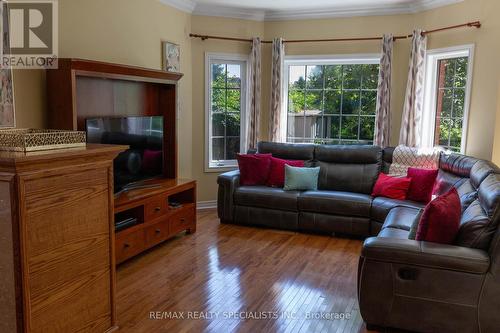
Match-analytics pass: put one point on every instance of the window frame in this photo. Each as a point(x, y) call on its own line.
point(430, 92)
point(226, 58)
point(312, 60)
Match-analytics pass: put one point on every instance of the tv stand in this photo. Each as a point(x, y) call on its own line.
point(162, 209)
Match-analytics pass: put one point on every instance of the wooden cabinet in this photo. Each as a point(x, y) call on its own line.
point(162, 211)
point(57, 247)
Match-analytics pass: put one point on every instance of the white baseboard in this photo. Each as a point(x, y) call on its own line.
point(206, 204)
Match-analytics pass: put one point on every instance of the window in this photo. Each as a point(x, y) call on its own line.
point(225, 108)
point(331, 101)
point(446, 101)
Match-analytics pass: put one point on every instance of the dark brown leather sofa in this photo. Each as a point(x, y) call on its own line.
point(404, 284)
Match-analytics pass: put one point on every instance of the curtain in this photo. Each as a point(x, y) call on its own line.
point(413, 104)
point(253, 114)
point(383, 114)
point(276, 114)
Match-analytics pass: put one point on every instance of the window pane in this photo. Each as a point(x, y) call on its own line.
point(233, 100)
point(333, 76)
point(350, 102)
point(218, 75)
point(332, 101)
point(218, 100)
point(448, 70)
point(314, 77)
point(369, 76)
point(297, 77)
point(352, 76)
point(291, 126)
point(232, 147)
point(332, 123)
point(218, 149)
point(445, 101)
point(296, 101)
point(368, 102)
point(456, 134)
point(461, 72)
point(218, 124)
point(232, 124)
point(444, 132)
point(233, 76)
point(314, 102)
point(349, 129)
point(367, 128)
point(458, 103)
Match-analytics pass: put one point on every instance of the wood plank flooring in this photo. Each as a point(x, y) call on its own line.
point(227, 278)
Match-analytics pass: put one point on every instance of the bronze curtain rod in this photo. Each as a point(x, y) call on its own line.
point(475, 24)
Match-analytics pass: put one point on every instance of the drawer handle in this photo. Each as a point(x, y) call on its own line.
point(126, 245)
point(157, 209)
point(183, 220)
point(157, 231)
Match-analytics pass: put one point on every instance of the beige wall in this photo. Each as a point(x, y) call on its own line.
point(129, 31)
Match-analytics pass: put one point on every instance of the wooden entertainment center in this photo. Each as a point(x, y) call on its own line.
point(81, 89)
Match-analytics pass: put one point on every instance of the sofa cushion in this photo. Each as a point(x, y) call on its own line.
point(382, 206)
point(287, 151)
point(348, 168)
point(266, 197)
point(402, 218)
point(336, 203)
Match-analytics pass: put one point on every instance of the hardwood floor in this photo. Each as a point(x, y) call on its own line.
point(226, 272)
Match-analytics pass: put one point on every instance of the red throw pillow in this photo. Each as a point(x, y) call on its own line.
point(391, 187)
point(277, 171)
point(254, 168)
point(440, 220)
point(422, 183)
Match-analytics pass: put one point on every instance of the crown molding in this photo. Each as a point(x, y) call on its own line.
point(230, 12)
point(183, 5)
point(191, 6)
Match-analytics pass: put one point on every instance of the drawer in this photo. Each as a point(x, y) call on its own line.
point(155, 208)
point(129, 245)
point(182, 220)
point(157, 233)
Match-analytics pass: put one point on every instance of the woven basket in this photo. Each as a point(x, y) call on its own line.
point(25, 140)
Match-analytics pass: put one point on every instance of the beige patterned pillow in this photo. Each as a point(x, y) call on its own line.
point(407, 157)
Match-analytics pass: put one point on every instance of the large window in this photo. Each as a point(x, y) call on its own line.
point(446, 98)
point(226, 98)
point(331, 101)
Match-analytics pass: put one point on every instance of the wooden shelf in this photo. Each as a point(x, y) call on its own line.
point(157, 221)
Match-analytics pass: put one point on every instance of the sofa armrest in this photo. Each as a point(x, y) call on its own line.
point(228, 182)
point(427, 254)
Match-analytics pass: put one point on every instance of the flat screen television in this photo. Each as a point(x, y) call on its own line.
point(144, 135)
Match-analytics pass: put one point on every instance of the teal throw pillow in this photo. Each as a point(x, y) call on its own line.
point(301, 179)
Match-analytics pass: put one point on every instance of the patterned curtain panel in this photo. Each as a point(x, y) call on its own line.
point(412, 111)
point(276, 115)
point(383, 116)
point(253, 116)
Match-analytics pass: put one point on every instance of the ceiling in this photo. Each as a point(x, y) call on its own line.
point(271, 10)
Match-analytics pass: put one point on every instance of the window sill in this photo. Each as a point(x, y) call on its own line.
point(220, 169)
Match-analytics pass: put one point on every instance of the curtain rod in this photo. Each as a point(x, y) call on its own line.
point(475, 24)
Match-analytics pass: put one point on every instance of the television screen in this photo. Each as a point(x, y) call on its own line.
point(144, 135)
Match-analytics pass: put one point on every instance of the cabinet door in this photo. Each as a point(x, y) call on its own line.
point(66, 232)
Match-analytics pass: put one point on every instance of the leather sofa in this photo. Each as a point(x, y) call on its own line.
point(402, 283)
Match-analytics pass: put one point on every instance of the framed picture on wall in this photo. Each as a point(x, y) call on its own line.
point(171, 55)
point(7, 115)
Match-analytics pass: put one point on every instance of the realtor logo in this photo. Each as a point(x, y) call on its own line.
point(29, 34)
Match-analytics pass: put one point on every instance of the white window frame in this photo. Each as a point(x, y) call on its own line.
point(210, 58)
point(311, 60)
point(430, 91)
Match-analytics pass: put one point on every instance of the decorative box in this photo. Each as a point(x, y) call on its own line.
point(26, 140)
